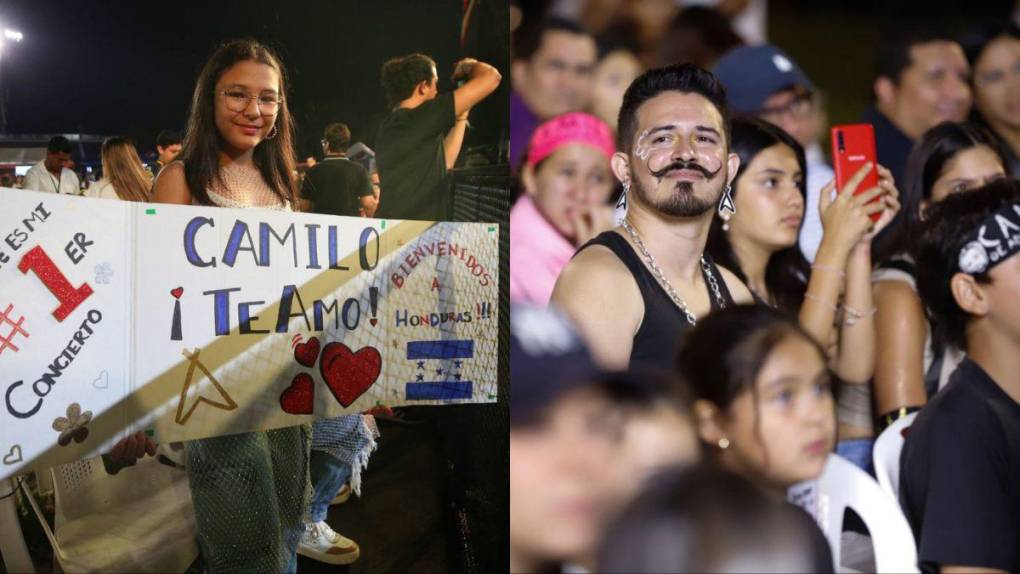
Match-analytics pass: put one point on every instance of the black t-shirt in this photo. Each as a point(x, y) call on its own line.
point(412, 164)
point(960, 475)
point(335, 185)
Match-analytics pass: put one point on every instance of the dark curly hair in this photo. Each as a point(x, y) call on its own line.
point(401, 75)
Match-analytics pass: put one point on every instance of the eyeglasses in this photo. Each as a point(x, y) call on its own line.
point(795, 107)
point(237, 101)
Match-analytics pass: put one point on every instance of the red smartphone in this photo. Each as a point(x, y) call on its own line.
point(853, 145)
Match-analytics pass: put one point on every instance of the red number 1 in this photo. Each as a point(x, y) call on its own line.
point(37, 261)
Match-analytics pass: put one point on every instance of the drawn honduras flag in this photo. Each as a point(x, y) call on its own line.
point(438, 367)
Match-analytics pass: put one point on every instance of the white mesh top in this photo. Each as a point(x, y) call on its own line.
point(243, 186)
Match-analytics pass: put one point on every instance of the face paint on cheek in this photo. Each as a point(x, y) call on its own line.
point(642, 147)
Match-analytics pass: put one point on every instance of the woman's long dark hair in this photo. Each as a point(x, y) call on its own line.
point(937, 147)
point(273, 157)
point(787, 270)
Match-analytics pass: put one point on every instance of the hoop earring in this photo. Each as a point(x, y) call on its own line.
point(272, 133)
point(726, 201)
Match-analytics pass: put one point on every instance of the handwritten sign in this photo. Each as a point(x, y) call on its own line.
point(197, 321)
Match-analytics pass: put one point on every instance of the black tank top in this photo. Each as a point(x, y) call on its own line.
point(655, 343)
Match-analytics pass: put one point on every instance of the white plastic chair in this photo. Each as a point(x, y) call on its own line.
point(843, 485)
point(886, 455)
point(139, 520)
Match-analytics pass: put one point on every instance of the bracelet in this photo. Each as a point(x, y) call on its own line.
point(889, 418)
point(835, 308)
point(853, 315)
point(829, 268)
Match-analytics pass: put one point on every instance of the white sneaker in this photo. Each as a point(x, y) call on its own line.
point(320, 542)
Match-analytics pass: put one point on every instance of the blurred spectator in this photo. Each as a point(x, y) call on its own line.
point(960, 465)
point(168, 145)
point(552, 75)
point(764, 81)
point(338, 186)
point(652, 19)
point(993, 51)
point(7, 181)
point(50, 173)
point(762, 394)
point(124, 176)
point(616, 69)
point(567, 422)
point(708, 520)
point(567, 182)
point(699, 35)
point(912, 364)
point(749, 17)
point(922, 78)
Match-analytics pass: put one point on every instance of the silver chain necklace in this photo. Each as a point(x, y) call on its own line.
point(666, 285)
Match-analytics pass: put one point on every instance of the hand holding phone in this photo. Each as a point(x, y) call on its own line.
point(853, 145)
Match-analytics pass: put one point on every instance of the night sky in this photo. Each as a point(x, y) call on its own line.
point(129, 68)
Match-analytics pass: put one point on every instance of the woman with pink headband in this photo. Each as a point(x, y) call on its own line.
point(567, 183)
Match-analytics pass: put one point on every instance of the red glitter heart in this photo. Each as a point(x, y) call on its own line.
point(348, 375)
point(299, 397)
point(306, 353)
point(177, 292)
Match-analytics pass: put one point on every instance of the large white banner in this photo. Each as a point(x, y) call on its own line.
point(195, 321)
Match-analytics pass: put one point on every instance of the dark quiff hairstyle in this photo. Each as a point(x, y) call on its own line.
point(683, 78)
point(721, 356)
point(274, 157)
point(936, 148)
point(704, 519)
point(787, 270)
point(400, 76)
point(942, 233)
point(337, 136)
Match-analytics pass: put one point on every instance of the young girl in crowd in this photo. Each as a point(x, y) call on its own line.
point(123, 174)
point(762, 394)
point(248, 489)
point(759, 244)
point(910, 364)
point(994, 54)
point(567, 183)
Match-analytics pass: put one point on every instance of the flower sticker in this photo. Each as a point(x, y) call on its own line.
point(73, 426)
point(103, 273)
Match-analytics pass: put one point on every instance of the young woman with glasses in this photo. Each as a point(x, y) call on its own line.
point(248, 489)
